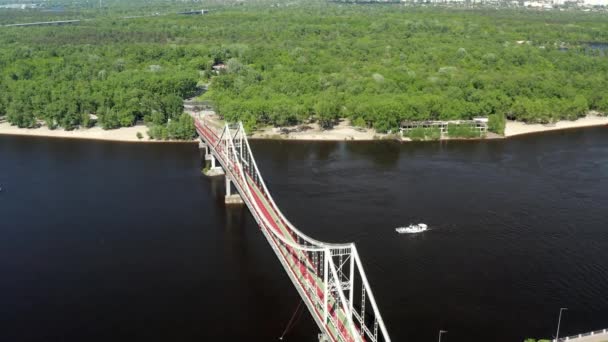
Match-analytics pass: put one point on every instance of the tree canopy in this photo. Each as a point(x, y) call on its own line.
point(377, 65)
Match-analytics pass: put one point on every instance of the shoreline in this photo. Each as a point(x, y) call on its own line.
point(341, 132)
point(123, 134)
point(517, 128)
point(344, 132)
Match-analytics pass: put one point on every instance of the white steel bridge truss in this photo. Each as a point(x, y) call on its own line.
point(329, 277)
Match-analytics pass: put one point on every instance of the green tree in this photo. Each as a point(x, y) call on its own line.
point(497, 123)
point(327, 112)
point(172, 106)
point(20, 114)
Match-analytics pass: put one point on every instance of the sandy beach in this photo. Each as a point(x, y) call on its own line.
point(95, 133)
point(342, 131)
point(514, 128)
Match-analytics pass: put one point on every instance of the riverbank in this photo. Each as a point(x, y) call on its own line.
point(514, 128)
point(312, 132)
point(342, 131)
point(126, 134)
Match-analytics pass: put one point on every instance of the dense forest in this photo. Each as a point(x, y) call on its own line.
point(376, 65)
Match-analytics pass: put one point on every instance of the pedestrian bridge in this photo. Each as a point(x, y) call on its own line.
point(329, 277)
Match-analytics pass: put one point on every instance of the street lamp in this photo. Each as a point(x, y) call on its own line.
point(440, 333)
point(559, 320)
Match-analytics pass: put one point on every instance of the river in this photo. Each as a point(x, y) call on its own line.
point(104, 241)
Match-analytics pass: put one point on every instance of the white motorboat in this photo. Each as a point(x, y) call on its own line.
point(412, 229)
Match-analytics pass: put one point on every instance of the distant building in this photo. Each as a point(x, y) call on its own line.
point(197, 12)
point(479, 124)
point(531, 4)
point(20, 6)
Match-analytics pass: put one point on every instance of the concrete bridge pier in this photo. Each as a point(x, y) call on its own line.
point(230, 197)
point(203, 146)
point(213, 169)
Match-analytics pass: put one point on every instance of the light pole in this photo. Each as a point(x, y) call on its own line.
point(441, 332)
point(559, 320)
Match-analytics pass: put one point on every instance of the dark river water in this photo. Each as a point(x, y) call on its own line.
point(114, 242)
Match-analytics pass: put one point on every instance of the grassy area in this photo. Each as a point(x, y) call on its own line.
point(463, 131)
point(422, 133)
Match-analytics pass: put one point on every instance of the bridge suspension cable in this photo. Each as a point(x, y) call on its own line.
point(291, 320)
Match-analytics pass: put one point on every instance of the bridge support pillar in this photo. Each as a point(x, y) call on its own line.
point(214, 170)
point(230, 197)
point(203, 145)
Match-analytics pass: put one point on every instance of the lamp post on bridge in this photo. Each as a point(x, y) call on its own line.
point(559, 320)
point(441, 332)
